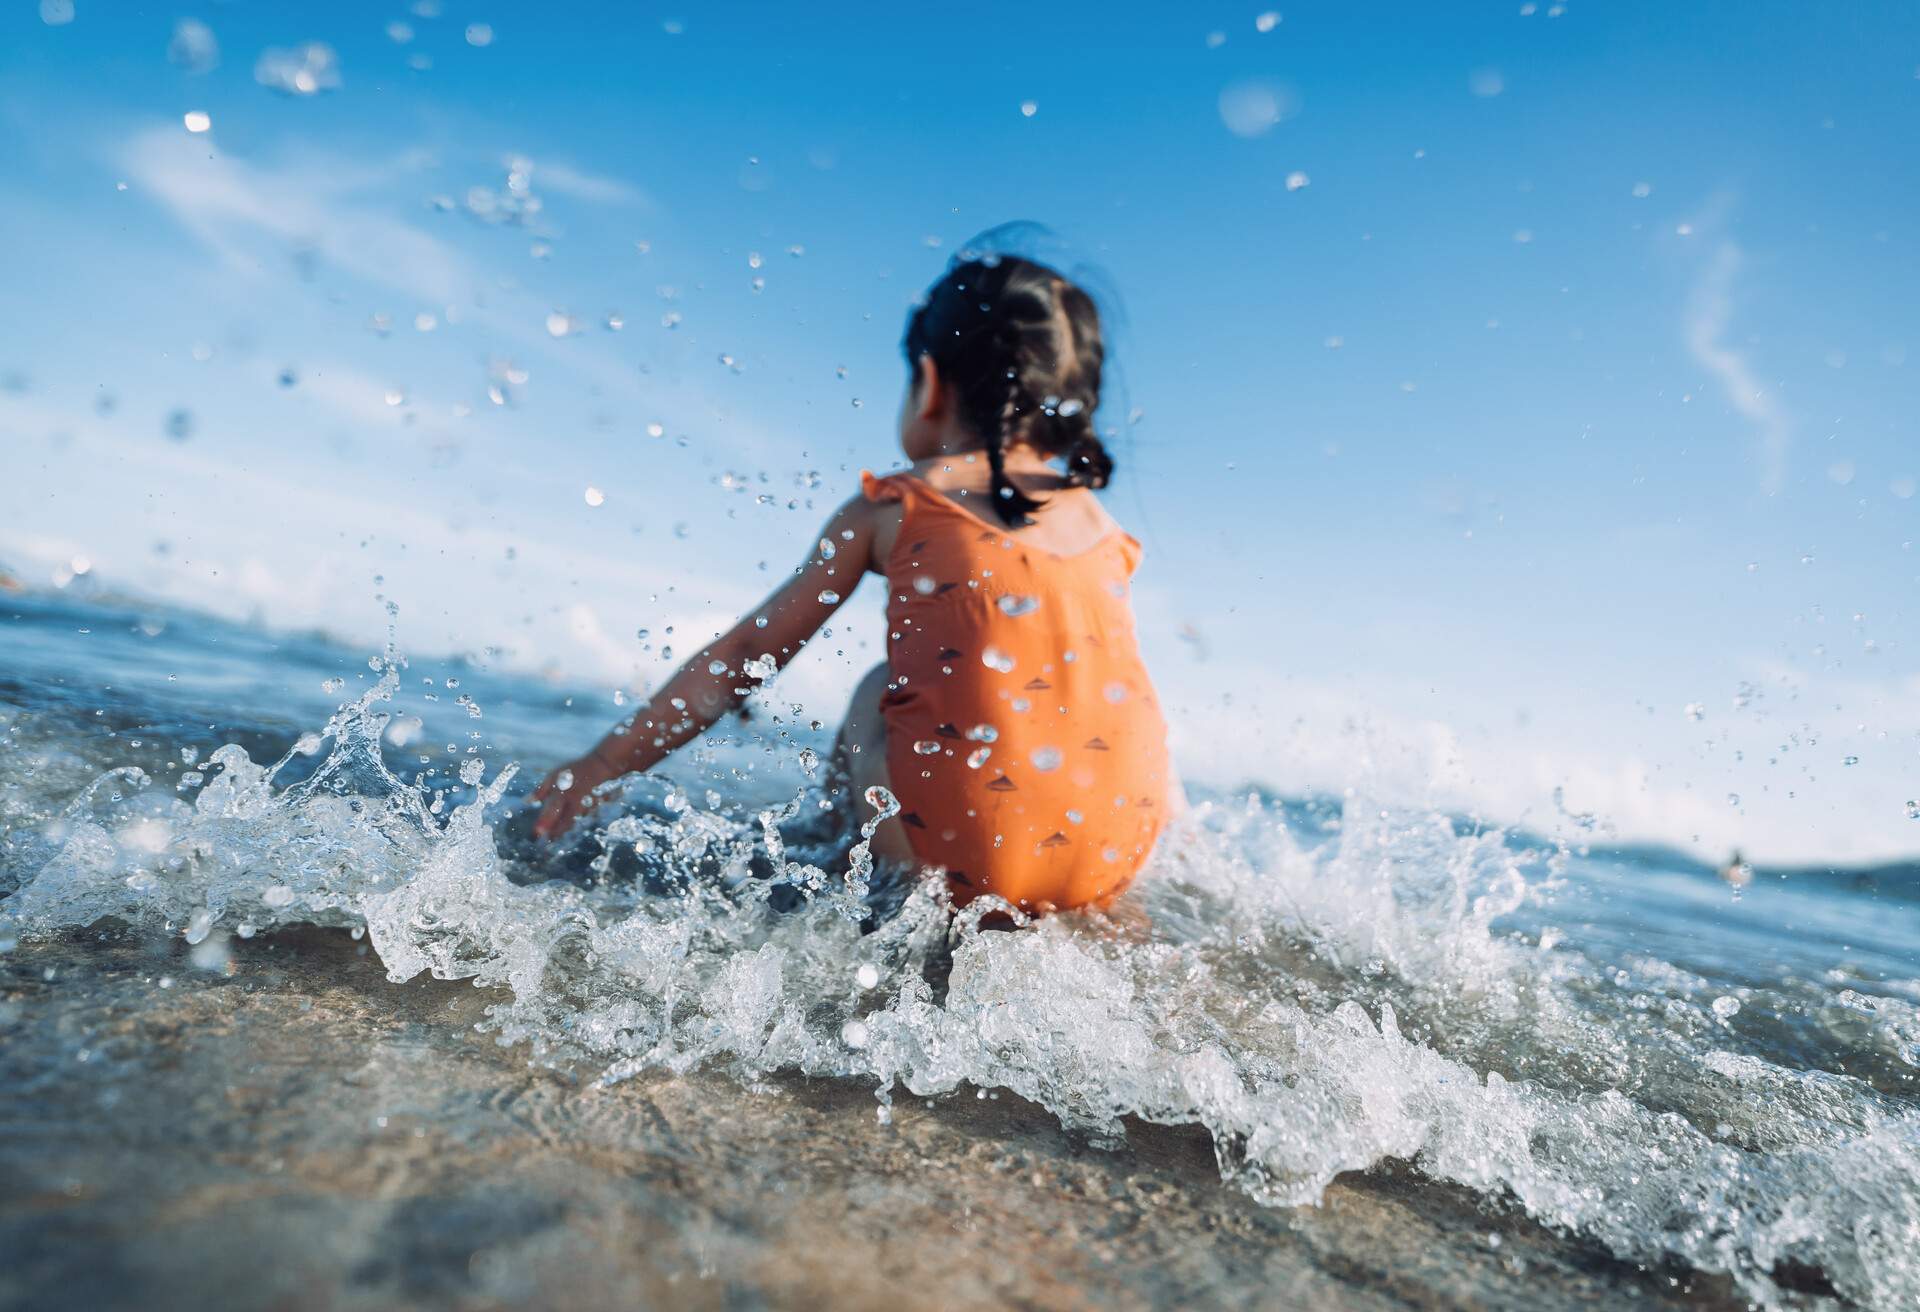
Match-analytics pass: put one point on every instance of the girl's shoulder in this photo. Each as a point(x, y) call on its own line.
point(1071, 520)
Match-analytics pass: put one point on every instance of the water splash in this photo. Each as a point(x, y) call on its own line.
point(1322, 991)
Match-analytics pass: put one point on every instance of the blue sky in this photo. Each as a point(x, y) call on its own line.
point(1537, 377)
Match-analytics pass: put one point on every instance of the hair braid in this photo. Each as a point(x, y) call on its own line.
point(1009, 502)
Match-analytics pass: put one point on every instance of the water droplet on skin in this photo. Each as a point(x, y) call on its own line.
point(1115, 693)
point(927, 747)
point(978, 757)
point(1046, 758)
point(716, 667)
point(983, 733)
point(995, 659)
point(828, 597)
point(827, 550)
point(564, 780)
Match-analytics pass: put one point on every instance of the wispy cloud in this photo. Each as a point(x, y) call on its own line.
point(1708, 316)
point(231, 205)
point(593, 187)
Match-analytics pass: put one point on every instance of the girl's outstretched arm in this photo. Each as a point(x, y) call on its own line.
point(714, 681)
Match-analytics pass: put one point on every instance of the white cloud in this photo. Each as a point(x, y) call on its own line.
point(1708, 316)
point(231, 205)
point(581, 185)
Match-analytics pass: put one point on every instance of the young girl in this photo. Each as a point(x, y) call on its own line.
point(1013, 719)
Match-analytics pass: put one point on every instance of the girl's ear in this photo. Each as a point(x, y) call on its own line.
point(931, 389)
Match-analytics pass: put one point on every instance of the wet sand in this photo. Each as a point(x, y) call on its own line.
point(303, 1133)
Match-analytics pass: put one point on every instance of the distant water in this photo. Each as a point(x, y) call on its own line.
point(1622, 1044)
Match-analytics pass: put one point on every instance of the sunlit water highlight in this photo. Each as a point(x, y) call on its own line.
point(1620, 1045)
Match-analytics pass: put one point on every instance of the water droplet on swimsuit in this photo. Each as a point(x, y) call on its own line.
point(1115, 693)
point(828, 597)
point(983, 733)
point(1016, 606)
point(995, 659)
point(1046, 758)
point(1266, 22)
point(927, 747)
point(1074, 817)
point(1029, 108)
point(978, 757)
point(854, 1034)
point(479, 35)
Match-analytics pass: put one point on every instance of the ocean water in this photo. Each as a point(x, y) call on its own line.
point(1619, 1042)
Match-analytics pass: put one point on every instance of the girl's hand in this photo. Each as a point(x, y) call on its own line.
point(567, 794)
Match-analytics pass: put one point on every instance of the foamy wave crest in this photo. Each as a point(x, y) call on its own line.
point(1321, 998)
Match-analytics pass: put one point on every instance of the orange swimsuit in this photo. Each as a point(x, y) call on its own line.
point(1024, 741)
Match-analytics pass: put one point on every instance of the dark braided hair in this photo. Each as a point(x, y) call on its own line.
point(1021, 348)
